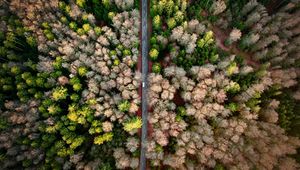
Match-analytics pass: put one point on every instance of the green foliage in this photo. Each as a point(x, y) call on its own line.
point(205, 52)
point(219, 167)
point(254, 103)
point(171, 23)
point(49, 35)
point(75, 81)
point(103, 138)
point(100, 9)
point(80, 115)
point(96, 127)
point(80, 31)
point(231, 68)
point(124, 106)
point(60, 93)
point(133, 124)
point(54, 109)
point(197, 8)
point(3, 123)
point(18, 54)
point(111, 15)
point(117, 62)
point(98, 30)
point(153, 54)
point(244, 81)
point(57, 63)
point(171, 13)
point(86, 27)
point(157, 22)
point(156, 68)
point(233, 89)
point(179, 16)
point(31, 41)
point(105, 150)
point(64, 20)
point(75, 97)
point(181, 112)
point(81, 3)
point(106, 166)
point(206, 40)
point(73, 26)
point(82, 71)
point(235, 8)
point(126, 52)
point(233, 107)
point(286, 111)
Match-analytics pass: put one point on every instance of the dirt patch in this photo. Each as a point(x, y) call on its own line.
point(221, 36)
point(178, 100)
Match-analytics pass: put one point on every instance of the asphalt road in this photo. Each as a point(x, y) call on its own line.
point(145, 48)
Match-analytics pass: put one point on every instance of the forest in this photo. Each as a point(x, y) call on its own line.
point(223, 89)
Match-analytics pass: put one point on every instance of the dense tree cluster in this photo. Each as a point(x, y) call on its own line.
point(217, 83)
point(223, 88)
point(73, 85)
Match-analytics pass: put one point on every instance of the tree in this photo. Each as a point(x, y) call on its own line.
point(153, 54)
point(157, 22)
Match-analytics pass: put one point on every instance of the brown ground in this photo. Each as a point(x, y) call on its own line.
point(221, 36)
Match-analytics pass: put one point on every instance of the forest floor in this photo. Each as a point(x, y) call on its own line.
point(221, 36)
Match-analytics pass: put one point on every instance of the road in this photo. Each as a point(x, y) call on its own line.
point(145, 48)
